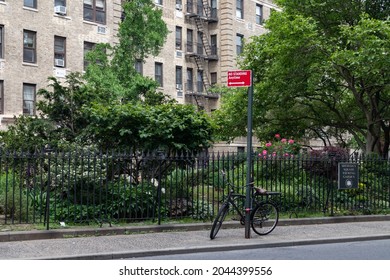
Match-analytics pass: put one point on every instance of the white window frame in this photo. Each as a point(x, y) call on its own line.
point(240, 9)
point(158, 73)
point(59, 50)
point(1, 41)
point(259, 14)
point(27, 34)
point(33, 4)
point(239, 43)
point(29, 95)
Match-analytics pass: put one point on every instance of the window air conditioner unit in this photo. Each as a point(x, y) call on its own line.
point(178, 7)
point(59, 62)
point(61, 10)
point(179, 54)
point(179, 86)
point(101, 30)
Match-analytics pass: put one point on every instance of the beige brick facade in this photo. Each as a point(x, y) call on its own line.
point(220, 26)
point(15, 18)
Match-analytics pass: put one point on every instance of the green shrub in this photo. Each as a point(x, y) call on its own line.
point(13, 198)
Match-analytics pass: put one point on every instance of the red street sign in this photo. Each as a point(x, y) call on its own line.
point(239, 78)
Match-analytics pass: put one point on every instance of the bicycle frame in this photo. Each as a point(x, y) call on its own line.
point(264, 215)
point(233, 197)
point(231, 200)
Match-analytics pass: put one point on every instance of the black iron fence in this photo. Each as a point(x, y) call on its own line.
point(86, 186)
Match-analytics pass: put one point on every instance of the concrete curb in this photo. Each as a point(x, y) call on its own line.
point(72, 233)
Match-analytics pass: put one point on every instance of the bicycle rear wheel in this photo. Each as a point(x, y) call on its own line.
point(264, 218)
point(218, 220)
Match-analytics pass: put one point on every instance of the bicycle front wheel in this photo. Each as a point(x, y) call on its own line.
point(264, 218)
point(218, 220)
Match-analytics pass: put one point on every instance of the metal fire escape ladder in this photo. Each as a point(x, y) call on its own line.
point(200, 63)
point(202, 18)
point(205, 41)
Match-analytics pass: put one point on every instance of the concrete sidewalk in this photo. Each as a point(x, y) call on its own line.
point(128, 242)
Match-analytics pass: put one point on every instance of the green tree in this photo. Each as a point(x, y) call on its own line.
point(142, 32)
point(322, 70)
point(167, 127)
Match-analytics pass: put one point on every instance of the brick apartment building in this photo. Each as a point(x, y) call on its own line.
point(42, 38)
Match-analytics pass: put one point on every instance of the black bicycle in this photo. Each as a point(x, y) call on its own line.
point(263, 218)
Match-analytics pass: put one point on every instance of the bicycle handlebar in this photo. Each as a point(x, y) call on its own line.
point(258, 191)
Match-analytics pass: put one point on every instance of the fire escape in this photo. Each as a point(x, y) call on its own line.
point(201, 14)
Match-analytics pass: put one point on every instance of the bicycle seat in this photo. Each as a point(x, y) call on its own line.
point(261, 191)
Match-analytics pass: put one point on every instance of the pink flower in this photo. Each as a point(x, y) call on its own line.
point(265, 152)
point(274, 154)
point(269, 144)
point(284, 140)
point(291, 141)
point(286, 154)
point(277, 136)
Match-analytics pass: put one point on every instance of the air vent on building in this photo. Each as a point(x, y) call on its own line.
point(59, 62)
point(61, 10)
point(179, 94)
point(101, 30)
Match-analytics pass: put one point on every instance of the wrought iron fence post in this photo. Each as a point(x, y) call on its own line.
point(160, 159)
point(47, 209)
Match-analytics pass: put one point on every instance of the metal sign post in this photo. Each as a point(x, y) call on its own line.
point(244, 78)
point(248, 201)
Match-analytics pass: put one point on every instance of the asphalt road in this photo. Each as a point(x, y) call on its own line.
point(362, 250)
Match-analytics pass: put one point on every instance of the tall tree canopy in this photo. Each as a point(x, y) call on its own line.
point(321, 70)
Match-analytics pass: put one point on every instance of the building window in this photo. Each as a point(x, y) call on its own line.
point(95, 11)
point(29, 99)
point(199, 81)
point(259, 14)
point(139, 67)
point(179, 5)
point(240, 9)
point(214, 11)
point(1, 41)
point(199, 10)
point(239, 43)
point(179, 78)
point(190, 40)
point(178, 37)
point(60, 3)
point(29, 46)
point(213, 42)
point(30, 3)
point(60, 7)
point(190, 79)
point(88, 46)
point(213, 78)
point(199, 45)
point(158, 2)
point(158, 73)
point(59, 51)
point(1, 97)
